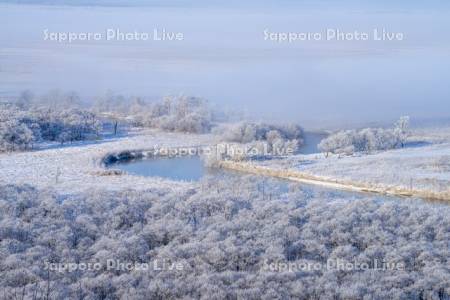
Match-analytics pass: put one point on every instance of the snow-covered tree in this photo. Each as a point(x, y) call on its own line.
point(271, 139)
point(366, 140)
point(20, 128)
point(401, 130)
point(226, 234)
point(15, 136)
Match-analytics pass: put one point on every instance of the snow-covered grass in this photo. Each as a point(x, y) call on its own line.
point(417, 166)
point(421, 169)
point(78, 168)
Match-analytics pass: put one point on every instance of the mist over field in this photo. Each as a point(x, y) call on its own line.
point(224, 57)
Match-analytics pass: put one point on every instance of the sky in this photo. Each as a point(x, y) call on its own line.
point(226, 57)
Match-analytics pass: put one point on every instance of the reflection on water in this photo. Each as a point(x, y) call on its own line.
point(187, 168)
point(191, 168)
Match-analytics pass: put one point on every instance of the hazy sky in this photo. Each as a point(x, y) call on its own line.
point(225, 58)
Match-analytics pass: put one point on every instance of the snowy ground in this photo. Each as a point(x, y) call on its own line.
point(76, 168)
point(424, 168)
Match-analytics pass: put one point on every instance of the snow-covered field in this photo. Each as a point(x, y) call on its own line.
point(426, 168)
point(77, 168)
point(422, 169)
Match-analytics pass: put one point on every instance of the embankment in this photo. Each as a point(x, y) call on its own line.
point(299, 176)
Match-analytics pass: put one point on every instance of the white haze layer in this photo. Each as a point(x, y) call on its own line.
point(225, 58)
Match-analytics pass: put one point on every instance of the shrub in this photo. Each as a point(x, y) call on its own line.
point(19, 129)
point(366, 140)
point(257, 139)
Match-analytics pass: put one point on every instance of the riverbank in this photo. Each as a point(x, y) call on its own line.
point(412, 172)
point(329, 182)
point(421, 169)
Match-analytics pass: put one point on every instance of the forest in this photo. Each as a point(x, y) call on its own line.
point(224, 234)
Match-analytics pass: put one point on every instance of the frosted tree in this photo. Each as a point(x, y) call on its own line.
point(224, 233)
point(273, 138)
point(21, 128)
point(366, 140)
point(401, 130)
point(14, 134)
